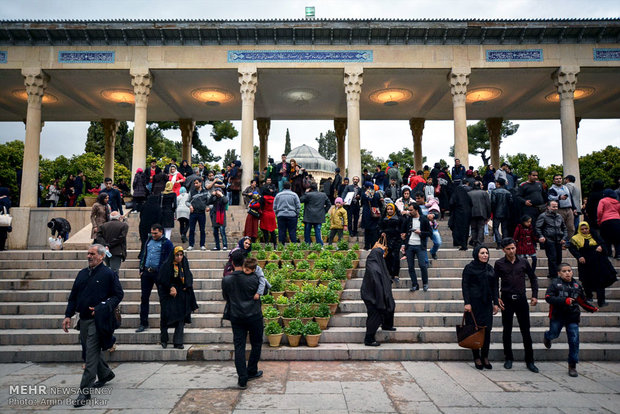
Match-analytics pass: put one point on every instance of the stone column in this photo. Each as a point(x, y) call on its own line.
point(565, 79)
point(459, 79)
point(417, 127)
point(36, 81)
point(110, 126)
point(187, 127)
point(494, 126)
point(353, 80)
point(340, 126)
point(248, 80)
point(263, 125)
point(141, 80)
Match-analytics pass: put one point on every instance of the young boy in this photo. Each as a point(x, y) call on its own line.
point(564, 296)
point(436, 237)
point(338, 220)
point(250, 265)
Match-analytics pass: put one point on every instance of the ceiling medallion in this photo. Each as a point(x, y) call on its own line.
point(212, 96)
point(124, 98)
point(21, 94)
point(300, 96)
point(480, 95)
point(580, 93)
point(390, 96)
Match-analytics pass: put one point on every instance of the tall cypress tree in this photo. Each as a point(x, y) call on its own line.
point(287, 143)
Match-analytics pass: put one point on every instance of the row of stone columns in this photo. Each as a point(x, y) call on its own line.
point(35, 80)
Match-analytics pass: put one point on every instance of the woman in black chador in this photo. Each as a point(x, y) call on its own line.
point(480, 295)
point(390, 227)
point(377, 295)
point(176, 296)
point(460, 215)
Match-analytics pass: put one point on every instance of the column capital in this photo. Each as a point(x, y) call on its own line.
point(494, 126)
point(110, 126)
point(142, 81)
point(565, 79)
point(340, 127)
point(263, 125)
point(353, 80)
point(417, 126)
point(248, 79)
point(459, 79)
point(36, 82)
point(187, 126)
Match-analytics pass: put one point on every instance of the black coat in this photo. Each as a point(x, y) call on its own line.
point(238, 290)
point(376, 287)
point(479, 286)
point(180, 307)
point(369, 222)
point(316, 205)
point(159, 183)
point(140, 180)
point(460, 209)
point(425, 230)
point(113, 235)
point(392, 228)
point(168, 205)
point(106, 323)
point(149, 215)
point(557, 293)
point(597, 272)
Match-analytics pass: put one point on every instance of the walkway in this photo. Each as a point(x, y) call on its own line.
point(330, 387)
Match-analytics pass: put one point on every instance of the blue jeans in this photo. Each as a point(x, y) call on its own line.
point(572, 334)
point(317, 233)
point(216, 234)
point(287, 224)
point(411, 252)
point(281, 183)
point(436, 238)
point(201, 219)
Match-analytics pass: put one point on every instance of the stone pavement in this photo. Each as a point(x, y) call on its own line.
point(326, 387)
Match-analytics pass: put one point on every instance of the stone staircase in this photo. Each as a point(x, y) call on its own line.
point(34, 286)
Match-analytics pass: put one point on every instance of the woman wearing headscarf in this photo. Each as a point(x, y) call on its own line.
point(182, 213)
point(402, 204)
point(176, 178)
point(460, 216)
point(608, 219)
point(176, 296)
point(99, 213)
point(390, 228)
point(268, 216)
point(376, 293)
point(251, 221)
point(595, 271)
point(370, 220)
point(479, 286)
point(5, 208)
point(168, 204)
point(140, 180)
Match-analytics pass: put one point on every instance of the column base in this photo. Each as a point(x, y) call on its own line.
point(18, 238)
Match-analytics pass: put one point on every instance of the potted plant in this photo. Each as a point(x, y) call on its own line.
point(328, 247)
point(273, 330)
point(302, 265)
point(355, 260)
point(304, 246)
point(356, 249)
point(286, 256)
point(336, 286)
point(291, 289)
point(293, 332)
point(317, 247)
point(282, 303)
point(261, 256)
point(290, 313)
point(267, 301)
point(257, 247)
point(306, 313)
point(322, 315)
point(91, 197)
point(312, 333)
point(325, 277)
point(312, 277)
point(270, 314)
point(342, 245)
point(331, 299)
point(277, 285)
point(268, 247)
point(298, 255)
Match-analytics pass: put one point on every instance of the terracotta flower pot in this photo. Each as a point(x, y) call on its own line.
point(267, 320)
point(322, 322)
point(313, 340)
point(261, 263)
point(349, 273)
point(298, 282)
point(356, 263)
point(265, 306)
point(275, 339)
point(333, 307)
point(286, 321)
point(289, 293)
point(281, 307)
point(305, 320)
point(343, 283)
point(276, 295)
point(89, 201)
point(293, 340)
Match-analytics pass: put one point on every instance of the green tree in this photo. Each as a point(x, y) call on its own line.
point(256, 158)
point(123, 146)
point(600, 165)
point(287, 142)
point(11, 159)
point(328, 145)
point(404, 157)
point(522, 164)
point(221, 130)
point(369, 161)
point(478, 140)
point(230, 156)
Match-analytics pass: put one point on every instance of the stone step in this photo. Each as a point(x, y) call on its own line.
point(325, 351)
point(352, 335)
point(402, 319)
point(412, 304)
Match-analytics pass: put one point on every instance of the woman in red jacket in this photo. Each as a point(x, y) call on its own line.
point(268, 216)
point(608, 218)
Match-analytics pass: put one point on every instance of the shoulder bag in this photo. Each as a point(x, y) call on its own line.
point(5, 218)
point(470, 336)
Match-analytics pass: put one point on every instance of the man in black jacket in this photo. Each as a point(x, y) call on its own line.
point(530, 196)
point(415, 231)
point(501, 200)
point(316, 205)
point(511, 272)
point(93, 285)
point(551, 233)
point(245, 316)
point(115, 202)
point(113, 235)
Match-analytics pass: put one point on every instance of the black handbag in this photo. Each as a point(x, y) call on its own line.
point(470, 336)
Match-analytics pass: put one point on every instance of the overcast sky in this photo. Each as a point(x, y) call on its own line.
point(540, 137)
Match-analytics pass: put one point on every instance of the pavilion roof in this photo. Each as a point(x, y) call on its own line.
point(308, 32)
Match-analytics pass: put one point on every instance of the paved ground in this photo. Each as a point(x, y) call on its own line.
point(328, 387)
